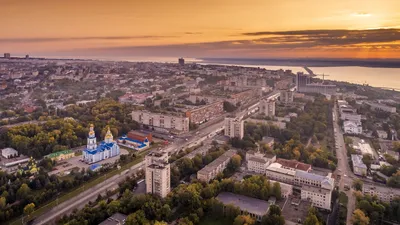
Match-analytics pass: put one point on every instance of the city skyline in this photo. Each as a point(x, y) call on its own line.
point(247, 29)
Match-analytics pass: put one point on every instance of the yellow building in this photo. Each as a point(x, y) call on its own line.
point(61, 155)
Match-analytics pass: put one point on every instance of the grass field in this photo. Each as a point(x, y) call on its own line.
point(80, 189)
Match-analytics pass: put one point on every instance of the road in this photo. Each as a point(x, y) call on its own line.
point(343, 168)
point(83, 198)
point(112, 183)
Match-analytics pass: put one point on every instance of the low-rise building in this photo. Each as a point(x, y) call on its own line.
point(294, 165)
point(382, 134)
point(385, 194)
point(269, 141)
point(313, 187)
point(210, 171)
point(351, 127)
point(359, 168)
point(381, 107)
point(9, 153)
point(61, 155)
point(256, 208)
point(115, 219)
point(258, 162)
point(158, 170)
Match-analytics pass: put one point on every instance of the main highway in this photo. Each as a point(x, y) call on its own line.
point(343, 167)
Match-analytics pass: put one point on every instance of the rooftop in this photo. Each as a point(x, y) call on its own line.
point(115, 219)
point(294, 164)
point(251, 205)
point(357, 161)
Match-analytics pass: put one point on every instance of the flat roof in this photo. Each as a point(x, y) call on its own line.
point(117, 218)
point(251, 205)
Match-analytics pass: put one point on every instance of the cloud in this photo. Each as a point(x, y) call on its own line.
point(193, 33)
point(61, 39)
point(361, 14)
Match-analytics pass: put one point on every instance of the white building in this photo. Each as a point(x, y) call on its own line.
point(267, 107)
point(382, 134)
point(217, 166)
point(158, 174)
point(106, 149)
point(9, 153)
point(385, 194)
point(316, 188)
point(354, 117)
point(178, 123)
point(258, 162)
point(234, 127)
point(358, 166)
point(351, 127)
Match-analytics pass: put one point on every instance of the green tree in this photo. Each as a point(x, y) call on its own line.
point(359, 218)
point(276, 190)
point(113, 207)
point(137, 218)
point(3, 202)
point(367, 160)
point(243, 220)
point(28, 209)
point(274, 216)
point(23, 191)
point(357, 184)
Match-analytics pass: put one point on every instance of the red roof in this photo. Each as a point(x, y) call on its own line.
point(294, 164)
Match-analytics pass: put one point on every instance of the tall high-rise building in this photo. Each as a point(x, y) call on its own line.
point(181, 61)
point(267, 106)
point(158, 174)
point(7, 55)
point(304, 84)
point(234, 127)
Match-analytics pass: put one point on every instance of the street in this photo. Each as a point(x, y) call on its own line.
point(343, 167)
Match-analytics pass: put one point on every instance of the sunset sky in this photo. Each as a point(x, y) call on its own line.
point(202, 28)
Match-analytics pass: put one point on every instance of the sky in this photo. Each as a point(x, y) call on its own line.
point(202, 28)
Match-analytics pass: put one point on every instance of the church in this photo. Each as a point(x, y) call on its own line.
point(106, 149)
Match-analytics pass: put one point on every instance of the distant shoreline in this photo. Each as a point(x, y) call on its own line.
point(373, 63)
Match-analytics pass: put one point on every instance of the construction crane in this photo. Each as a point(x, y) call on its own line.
point(323, 76)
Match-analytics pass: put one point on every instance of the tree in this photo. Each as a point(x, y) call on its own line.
point(137, 218)
point(113, 207)
point(276, 190)
point(231, 211)
point(234, 163)
point(367, 160)
point(185, 221)
point(243, 220)
point(274, 216)
point(3, 202)
point(28, 209)
point(23, 191)
point(357, 184)
point(160, 223)
point(359, 218)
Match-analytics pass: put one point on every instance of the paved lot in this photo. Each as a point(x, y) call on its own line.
point(67, 165)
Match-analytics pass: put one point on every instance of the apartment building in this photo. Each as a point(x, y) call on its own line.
point(258, 162)
point(267, 107)
point(210, 171)
point(385, 194)
point(170, 122)
point(319, 197)
point(158, 174)
point(286, 96)
point(205, 113)
point(234, 127)
point(358, 166)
